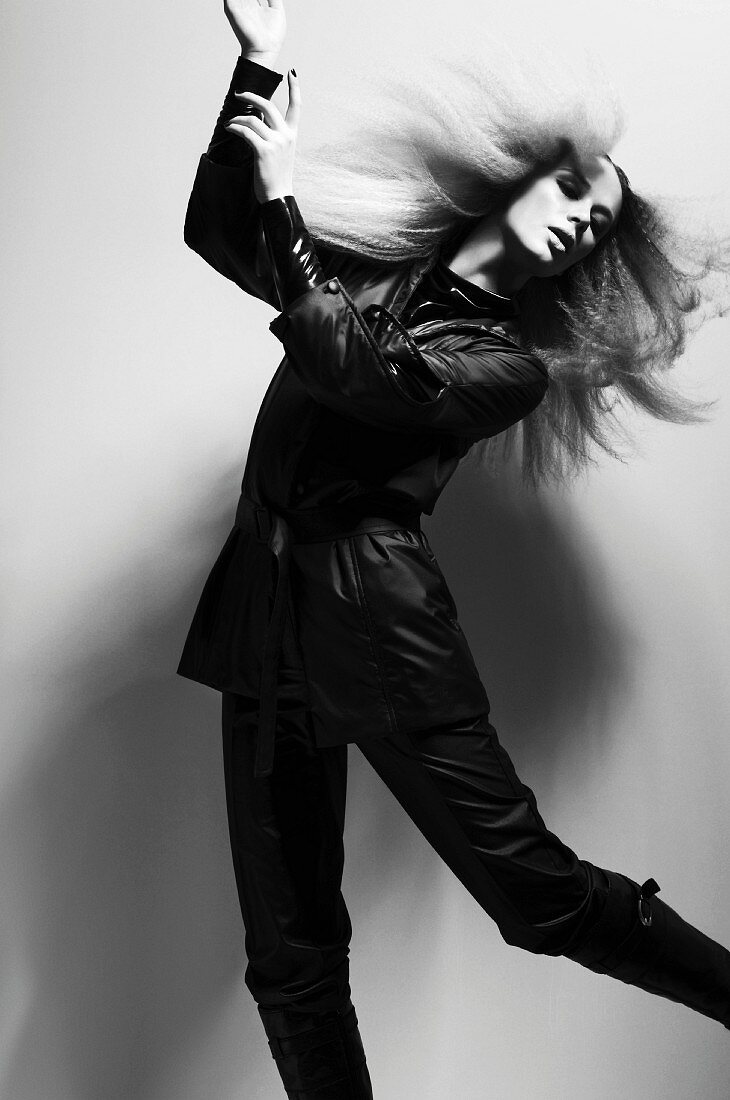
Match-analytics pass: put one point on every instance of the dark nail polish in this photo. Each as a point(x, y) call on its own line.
point(294, 72)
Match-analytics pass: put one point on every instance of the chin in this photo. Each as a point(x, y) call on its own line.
point(548, 265)
point(539, 259)
point(548, 270)
point(543, 256)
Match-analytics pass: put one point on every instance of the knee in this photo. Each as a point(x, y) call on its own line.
point(528, 937)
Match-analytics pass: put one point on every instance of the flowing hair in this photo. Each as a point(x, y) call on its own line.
point(432, 154)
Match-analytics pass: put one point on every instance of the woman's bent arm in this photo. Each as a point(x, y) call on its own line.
point(467, 381)
point(222, 222)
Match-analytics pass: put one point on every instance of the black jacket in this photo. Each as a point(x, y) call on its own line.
point(391, 374)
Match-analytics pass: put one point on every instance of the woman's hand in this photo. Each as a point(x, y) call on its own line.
point(260, 27)
point(273, 140)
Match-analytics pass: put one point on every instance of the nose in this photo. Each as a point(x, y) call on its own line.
point(581, 219)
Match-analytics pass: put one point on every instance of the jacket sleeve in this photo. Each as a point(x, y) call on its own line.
point(468, 381)
point(222, 222)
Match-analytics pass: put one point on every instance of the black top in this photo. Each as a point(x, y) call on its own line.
point(342, 428)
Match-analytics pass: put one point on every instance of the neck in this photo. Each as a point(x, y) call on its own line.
point(481, 258)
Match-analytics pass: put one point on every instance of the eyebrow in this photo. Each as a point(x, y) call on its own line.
point(586, 183)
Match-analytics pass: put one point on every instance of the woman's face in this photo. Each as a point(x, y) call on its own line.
point(561, 215)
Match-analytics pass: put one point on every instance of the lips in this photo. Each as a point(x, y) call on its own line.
point(565, 238)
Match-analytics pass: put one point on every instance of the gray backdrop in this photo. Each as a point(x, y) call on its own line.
point(598, 614)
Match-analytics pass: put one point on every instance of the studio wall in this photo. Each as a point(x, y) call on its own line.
point(597, 611)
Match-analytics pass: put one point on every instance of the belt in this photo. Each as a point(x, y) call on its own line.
point(278, 530)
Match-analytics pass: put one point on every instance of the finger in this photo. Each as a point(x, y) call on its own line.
point(245, 132)
point(295, 101)
point(255, 124)
point(271, 114)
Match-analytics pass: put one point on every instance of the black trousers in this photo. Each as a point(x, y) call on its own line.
point(459, 786)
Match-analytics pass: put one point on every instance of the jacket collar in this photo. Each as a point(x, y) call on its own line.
point(471, 299)
point(475, 297)
point(433, 292)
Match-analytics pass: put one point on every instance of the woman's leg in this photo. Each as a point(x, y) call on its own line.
point(286, 834)
point(459, 786)
point(287, 848)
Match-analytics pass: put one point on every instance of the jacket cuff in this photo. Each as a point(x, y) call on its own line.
point(248, 76)
point(293, 258)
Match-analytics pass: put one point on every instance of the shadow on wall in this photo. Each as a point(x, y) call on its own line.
point(125, 905)
point(536, 609)
point(123, 940)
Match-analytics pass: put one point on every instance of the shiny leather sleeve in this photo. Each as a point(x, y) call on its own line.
point(454, 378)
point(222, 222)
point(292, 255)
point(226, 148)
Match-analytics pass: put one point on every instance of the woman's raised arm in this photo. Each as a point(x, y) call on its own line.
point(260, 28)
point(222, 222)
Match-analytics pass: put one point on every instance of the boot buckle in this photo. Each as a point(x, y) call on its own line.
point(650, 887)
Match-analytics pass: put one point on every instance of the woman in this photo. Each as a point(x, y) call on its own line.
point(326, 619)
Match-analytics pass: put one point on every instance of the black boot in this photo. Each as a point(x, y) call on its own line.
point(319, 1056)
point(641, 941)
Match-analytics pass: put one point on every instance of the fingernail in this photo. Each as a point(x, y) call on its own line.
point(294, 72)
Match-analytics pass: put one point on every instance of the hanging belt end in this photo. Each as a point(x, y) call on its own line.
point(265, 738)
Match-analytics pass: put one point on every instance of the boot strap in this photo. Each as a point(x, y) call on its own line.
point(648, 889)
point(315, 1037)
point(650, 946)
point(592, 953)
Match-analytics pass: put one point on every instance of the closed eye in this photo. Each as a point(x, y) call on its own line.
point(573, 192)
point(568, 189)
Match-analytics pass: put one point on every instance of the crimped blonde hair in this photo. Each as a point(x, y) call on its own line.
point(427, 155)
